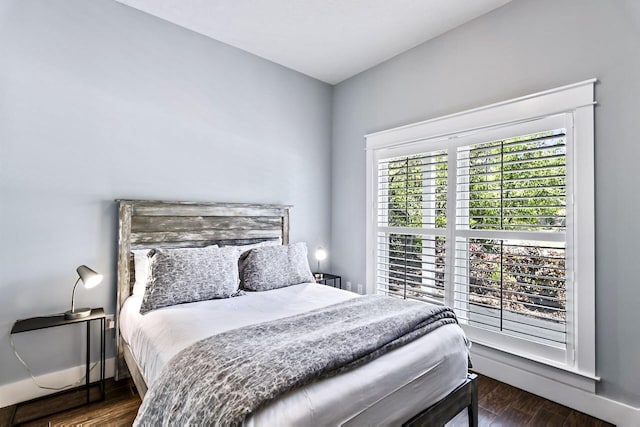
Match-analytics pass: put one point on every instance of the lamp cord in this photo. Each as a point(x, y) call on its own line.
point(44, 387)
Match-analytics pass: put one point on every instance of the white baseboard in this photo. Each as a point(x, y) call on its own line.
point(597, 406)
point(23, 390)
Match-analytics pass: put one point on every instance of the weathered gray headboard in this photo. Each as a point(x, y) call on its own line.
point(145, 224)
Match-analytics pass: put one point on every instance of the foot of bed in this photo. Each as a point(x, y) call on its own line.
point(472, 409)
point(464, 397)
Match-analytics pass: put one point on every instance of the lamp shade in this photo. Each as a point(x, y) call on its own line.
point(89, 277)
point(321, 254)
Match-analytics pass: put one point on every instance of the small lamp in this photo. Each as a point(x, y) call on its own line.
point(321, 255)
point(90, 279)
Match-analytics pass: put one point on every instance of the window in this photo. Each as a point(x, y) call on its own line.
point(412, 193)
point(490, 211)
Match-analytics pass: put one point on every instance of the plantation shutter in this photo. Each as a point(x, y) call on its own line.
point(411, 226)
point(510, 248)
point(479, 223)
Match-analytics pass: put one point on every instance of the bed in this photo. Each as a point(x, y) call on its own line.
point(424, 382)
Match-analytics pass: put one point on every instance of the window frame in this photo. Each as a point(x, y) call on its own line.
point(576, 103)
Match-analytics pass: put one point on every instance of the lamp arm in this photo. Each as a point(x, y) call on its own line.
point(73, 295)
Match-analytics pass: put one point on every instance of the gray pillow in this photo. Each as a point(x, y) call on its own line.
point(244, 248)
point(178, 276)
point(272, 267)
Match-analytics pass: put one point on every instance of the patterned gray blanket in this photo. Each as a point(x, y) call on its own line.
point(224, 378)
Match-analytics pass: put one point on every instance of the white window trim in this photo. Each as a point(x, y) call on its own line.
point(576, 99)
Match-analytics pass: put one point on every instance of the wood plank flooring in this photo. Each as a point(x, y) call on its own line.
point(499, 405)
point(119, 408)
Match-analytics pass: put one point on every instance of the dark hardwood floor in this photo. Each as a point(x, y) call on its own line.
point(499, 405)
point(119, 408)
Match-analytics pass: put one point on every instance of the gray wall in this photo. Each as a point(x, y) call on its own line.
point(524, 47)
point(99, 101)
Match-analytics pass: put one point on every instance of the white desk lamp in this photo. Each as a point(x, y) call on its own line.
point(90, 279)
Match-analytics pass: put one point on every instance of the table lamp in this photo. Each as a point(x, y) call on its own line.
point(321, 255)
point(90, 279)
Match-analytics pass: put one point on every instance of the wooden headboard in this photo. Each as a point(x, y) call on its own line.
point(147, 224)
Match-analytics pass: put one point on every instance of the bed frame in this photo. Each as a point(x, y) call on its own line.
point(146, 224)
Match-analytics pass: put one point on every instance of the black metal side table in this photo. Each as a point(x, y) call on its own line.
point(328, 279)
point(44, 322)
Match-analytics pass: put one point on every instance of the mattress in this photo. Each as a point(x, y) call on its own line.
point(386, 391)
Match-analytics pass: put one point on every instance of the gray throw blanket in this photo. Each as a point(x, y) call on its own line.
point(222, 379)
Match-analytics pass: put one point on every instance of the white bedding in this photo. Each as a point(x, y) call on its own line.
point(387, 390)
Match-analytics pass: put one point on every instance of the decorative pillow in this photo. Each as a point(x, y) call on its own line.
point(245, 248)
point(272, 267)
point(178, 276)
point(141, 271)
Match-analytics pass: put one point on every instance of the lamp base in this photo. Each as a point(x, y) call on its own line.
point(77, 313)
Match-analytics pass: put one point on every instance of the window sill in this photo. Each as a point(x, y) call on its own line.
point(539, 366)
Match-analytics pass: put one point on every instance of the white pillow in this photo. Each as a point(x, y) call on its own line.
point(245, 248)
point(141, 263)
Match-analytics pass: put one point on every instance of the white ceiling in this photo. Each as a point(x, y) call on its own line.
point(330, 40)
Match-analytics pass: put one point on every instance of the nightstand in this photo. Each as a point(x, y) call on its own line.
point(52, 321)
point(328, 279)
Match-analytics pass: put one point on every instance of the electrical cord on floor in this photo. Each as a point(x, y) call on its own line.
point(44, 387)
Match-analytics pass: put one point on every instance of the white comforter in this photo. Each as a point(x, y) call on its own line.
point(387, 390)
